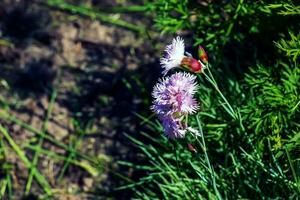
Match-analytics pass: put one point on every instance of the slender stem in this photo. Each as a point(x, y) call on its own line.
point(212, 81)
point(208, 69)
point(203, 146)
point(235, 115)
point(293, 170)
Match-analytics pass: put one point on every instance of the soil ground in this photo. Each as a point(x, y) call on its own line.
point(102, 75)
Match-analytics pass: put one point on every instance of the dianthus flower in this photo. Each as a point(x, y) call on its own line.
point(175, 57)
point(173, 99)
point(174, 53)
point(174, 94)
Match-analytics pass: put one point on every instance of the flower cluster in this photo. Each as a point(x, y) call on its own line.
point(174, 95)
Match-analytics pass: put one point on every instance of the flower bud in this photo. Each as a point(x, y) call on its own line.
point(202, 55)
point(192, 64)
point(192, 148)
point(195, 66)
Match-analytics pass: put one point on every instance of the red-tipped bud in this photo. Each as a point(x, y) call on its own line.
point(192, 64)
point(195, 66)
point(192, 148)
point(202, 55)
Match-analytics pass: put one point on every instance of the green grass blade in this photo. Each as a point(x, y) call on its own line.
point(11, 118)
point(21, 154)
point(40, 142)
point(94, 14)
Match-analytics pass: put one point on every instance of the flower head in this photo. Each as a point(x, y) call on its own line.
point(174, 95)
point(174, 53)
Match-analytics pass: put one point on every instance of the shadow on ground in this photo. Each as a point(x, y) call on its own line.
point(103, 75)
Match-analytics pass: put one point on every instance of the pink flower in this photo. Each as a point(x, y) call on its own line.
point(174, 95)
point(173, 99)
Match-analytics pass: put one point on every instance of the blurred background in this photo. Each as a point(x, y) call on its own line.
point(76, 78)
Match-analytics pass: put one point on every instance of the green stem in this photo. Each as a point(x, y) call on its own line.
point(235, 115)
point(212, 77)
point(293, 170)
point(229, 109)
point(203, 146)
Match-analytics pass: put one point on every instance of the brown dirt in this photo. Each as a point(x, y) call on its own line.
point(90, 64)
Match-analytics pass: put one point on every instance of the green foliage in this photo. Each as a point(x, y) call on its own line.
point(273, 103)
point(254, 151)
point(212, 24)
point(176, 172)
point(171, 15)
point(290, 47)
point(286, 8)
